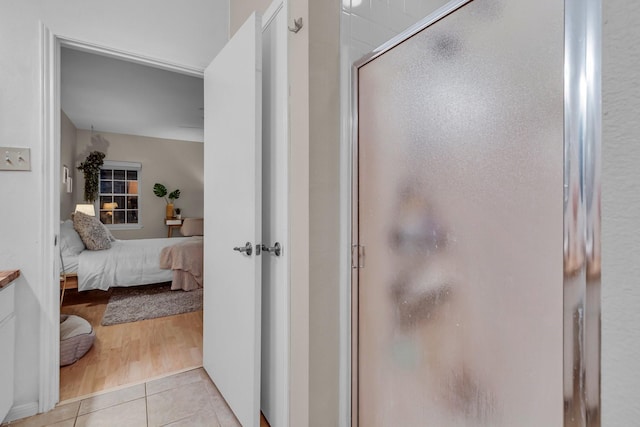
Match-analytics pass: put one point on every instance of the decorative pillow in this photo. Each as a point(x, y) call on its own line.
point(91, 231)
point(109, 234)
point(70, 242)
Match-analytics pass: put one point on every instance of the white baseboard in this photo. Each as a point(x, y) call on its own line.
point(22, 411)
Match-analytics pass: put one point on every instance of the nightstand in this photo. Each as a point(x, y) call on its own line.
point(171, 224)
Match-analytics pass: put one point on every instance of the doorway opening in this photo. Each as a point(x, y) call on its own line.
point(151, 117)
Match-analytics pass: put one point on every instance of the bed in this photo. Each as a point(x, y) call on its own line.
point(123, 263)
point(184, 259)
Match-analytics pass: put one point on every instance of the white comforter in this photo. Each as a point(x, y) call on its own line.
point(127, 263)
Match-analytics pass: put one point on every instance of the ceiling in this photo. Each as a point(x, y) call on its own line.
point(128, 98)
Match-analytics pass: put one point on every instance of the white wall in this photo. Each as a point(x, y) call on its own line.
point(621, 214)
point(176, 164)
point(188, 33)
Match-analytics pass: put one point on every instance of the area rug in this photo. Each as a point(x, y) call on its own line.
point(149, 302)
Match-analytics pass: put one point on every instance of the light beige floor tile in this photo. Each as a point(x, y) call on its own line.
point(129, 414)
point(57, 414)
point(178, 403)
point(226, 418)
point(111, 399)
point(207, 418)
point(225, 415)
point(163, 384)
point(67, 423)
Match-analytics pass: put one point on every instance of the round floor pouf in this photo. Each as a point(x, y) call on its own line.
point(76, 338)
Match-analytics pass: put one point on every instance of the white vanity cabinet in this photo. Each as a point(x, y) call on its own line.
point(7, 348)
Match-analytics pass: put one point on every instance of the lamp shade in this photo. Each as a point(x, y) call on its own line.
point(86, 209)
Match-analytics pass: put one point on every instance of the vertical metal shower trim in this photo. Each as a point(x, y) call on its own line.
point(582, 213)
point(354, 241)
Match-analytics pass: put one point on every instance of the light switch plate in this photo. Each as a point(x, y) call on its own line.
point(15, 159)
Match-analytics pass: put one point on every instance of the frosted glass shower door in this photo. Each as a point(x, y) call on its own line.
point(460, 213)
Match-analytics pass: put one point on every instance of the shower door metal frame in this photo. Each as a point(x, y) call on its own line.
point(582, 153)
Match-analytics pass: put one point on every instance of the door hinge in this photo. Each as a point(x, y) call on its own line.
point(357, 256)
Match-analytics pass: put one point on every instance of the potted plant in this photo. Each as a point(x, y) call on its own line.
point(178, 213)
point(161, 191)
point(91, 169)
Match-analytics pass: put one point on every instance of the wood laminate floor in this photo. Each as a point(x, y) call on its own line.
point(128, 353)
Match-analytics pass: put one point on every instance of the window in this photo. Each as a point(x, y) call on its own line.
point(119, 199)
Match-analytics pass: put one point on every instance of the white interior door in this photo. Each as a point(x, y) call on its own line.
point(232, 217)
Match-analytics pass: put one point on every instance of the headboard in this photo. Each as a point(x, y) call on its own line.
point(192, 227)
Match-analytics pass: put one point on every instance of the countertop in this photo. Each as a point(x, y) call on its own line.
point(8, 276)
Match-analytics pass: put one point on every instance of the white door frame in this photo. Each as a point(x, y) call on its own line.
point(50, 44)
point(282, 400)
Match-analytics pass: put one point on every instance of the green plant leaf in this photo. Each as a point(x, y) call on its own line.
point(159, 190)
point(174, 195)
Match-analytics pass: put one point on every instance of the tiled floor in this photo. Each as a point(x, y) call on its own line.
point(186, 399)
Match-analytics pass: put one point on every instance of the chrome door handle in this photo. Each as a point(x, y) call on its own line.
point(247, 248)
point(275, 249)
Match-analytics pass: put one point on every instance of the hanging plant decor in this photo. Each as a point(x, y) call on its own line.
point(91, 169)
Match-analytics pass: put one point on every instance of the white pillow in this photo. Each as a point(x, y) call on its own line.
point(70, 242)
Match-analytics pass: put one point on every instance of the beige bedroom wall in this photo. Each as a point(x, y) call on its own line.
point(176, 164)
point(67, 158)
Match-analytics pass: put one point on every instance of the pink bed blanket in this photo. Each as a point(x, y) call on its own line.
point(185, 259)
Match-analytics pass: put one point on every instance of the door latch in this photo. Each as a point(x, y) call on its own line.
point(275, 249)
point(247, 248)
point(357, 256)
